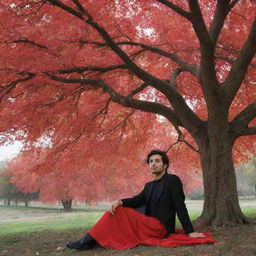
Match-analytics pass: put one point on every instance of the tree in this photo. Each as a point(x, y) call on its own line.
point(191, 62)
point(92, 181)
point(6, 190)
point(56, 186)
point(9, 192)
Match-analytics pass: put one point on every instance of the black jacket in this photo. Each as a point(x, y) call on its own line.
point(168, 202)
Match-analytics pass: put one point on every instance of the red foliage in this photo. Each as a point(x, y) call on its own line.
point(72, 133)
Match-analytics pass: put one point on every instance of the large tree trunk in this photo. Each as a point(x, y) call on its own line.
point(221, 205)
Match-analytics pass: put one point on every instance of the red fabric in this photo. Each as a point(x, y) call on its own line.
point(128, 228)
point(179, 238)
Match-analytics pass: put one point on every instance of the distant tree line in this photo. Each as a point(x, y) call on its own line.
point(246, 181)
point(9, 193)
point(245, 173)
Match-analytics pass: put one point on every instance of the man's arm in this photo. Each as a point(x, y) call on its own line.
point(114, 205)
point(179, 202)
point(133, 202)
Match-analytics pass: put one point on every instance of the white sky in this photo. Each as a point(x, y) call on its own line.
point(10, 151)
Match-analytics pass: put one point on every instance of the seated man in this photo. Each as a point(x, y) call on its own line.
point(122, 227)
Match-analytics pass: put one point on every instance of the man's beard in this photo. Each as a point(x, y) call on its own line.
point(157, 172)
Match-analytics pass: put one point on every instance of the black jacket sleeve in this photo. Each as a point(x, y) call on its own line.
point(136, 201)
point(178, 198)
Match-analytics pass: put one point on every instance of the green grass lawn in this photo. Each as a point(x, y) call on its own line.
point(36, 219)
point(58, 223)
point(31, 231)
point(33, 219)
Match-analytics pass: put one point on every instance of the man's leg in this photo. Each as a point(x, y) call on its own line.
point(87, 242)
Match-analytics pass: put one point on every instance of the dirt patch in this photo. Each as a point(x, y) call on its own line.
point(236, 241)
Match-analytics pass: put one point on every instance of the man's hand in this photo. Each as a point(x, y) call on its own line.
point(196, 234)
point(114, 205)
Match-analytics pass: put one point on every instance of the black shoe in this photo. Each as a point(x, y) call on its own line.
point(87, 242)
point(74, 245)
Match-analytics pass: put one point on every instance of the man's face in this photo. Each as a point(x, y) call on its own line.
point(156, 165)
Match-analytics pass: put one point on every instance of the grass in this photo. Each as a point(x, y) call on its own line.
point(250, 212)
point(38, 219)
point(44, 231)
point(33, 219)
point(59, 223)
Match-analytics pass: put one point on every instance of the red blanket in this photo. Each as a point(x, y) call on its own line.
point(179, 238)
point(128, 228)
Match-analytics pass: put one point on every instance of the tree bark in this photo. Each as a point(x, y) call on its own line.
point(67, 204)
point(221, 204)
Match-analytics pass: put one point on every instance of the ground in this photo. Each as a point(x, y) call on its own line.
point(236, 241)
point(233, 241)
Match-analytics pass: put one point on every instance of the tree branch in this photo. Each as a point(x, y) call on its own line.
point(208, 75)
point(193, 69)
point(240, 66)
point(198, 23)
point(239, 125)
point(188, 117)
point(175, 8)
point(242, 16)
point(79, 6)
point(91, 68)
point(147, 106)
point(233, 3)
point(250, 131)
point(145, 76)
point(174, 75)
point(137, 90)
point(6, 89)
point(30, 42)
point(151, 107)
point(65, 7)
point(121, 123)
point(73, 81)
point(181, 138)
point(221, 12)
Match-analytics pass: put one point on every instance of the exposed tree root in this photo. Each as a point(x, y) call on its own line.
point(204, 223)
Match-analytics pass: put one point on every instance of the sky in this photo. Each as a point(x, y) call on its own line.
point(10, 151)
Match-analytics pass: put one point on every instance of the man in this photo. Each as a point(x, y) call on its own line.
point(162, 198)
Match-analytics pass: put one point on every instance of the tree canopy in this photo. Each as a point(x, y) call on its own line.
point(82, 78)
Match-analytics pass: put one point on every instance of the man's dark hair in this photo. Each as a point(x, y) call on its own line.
point(165, 158)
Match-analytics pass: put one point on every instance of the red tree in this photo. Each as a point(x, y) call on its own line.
point(90, 178)
point(192, 62)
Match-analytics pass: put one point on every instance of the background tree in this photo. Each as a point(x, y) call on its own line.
point(96, 179)
point(9, 192)
point(69, 66)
